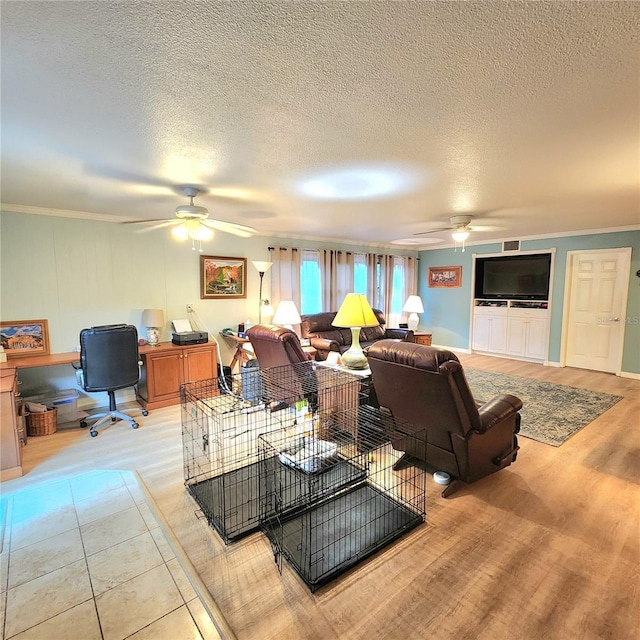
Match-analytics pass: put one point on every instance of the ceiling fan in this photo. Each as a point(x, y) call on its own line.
point(460, 226)
point(192, 221)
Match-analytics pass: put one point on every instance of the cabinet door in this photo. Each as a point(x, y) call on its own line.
point(536, 339)
point(498, 334)
point(199, 364)
point(481, 332)
point(164, 375)
point(516, 336)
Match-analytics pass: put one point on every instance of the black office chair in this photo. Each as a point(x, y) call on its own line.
point(109, 361)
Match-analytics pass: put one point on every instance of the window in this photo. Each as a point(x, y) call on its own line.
point(320, 279)
point(360, 273)
point(310, 284)
point(398, 293)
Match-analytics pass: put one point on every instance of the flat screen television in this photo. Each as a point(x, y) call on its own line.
point(522, 277)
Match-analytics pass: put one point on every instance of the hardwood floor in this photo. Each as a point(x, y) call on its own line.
point(547, 548)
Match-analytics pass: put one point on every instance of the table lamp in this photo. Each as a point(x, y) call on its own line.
point(355, 313)
point(287, 314)
point(413, 305)
point(262, 268)
point(153, 319)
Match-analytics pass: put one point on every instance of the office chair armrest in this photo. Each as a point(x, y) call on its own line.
point(497, 410)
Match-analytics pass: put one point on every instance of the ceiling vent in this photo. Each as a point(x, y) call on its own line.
point(511, 245)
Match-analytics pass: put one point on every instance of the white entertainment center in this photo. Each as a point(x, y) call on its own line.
point(504, 322)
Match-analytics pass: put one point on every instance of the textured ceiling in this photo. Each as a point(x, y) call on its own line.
point(523, 114)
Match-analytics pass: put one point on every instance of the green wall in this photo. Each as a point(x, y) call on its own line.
point(448, 311)
point(79, 273)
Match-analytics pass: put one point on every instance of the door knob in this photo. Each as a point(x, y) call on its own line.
point(614, 319)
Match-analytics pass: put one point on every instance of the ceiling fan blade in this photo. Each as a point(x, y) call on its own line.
point(146, 221)
point(424, 233)
point(161, 225)
point(483, 227)
point(230, 227)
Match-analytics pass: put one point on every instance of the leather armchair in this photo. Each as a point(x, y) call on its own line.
point(324, 337)
point(275, 346)
point(287, 371)
point(426, 386)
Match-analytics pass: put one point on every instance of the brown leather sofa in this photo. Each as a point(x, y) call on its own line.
point(426, 387)
point(324, 337)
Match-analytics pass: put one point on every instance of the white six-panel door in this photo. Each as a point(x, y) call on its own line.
point(595, 317)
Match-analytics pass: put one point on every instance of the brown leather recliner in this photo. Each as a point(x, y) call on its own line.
point(426, 386)
point(275, 346)
point(287, 371)
point(324, 337)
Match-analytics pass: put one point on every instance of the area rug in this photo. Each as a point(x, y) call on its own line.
point(551, 413)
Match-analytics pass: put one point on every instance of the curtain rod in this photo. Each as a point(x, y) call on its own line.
point(338, 251)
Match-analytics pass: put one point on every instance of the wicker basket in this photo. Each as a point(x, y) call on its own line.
point(42, 424)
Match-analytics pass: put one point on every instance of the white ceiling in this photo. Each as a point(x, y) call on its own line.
point(523, 114)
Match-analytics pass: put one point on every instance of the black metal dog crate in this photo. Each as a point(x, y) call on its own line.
point(331, 497)
point(221, 422)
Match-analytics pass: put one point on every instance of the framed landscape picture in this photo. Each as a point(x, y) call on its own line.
point(223, 277)
point(21, 338)
point(445, 276)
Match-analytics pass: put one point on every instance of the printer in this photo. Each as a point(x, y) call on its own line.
point(183, 338)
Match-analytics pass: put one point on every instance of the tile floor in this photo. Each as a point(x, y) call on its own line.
point(84, 558)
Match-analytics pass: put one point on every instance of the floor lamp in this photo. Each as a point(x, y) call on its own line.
point(262, 268)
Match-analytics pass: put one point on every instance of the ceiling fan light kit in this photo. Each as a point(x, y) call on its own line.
point(192, 221)
point(459, 227)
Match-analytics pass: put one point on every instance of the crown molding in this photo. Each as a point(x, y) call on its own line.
point(60, 213)
point(544, 236)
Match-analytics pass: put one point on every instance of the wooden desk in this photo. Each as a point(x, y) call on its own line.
point(239, 355)
point(41, 361)
point(10, 445)
point(165, 368)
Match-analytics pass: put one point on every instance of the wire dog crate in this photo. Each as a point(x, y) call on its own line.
point(221, 422)
point(330, 498)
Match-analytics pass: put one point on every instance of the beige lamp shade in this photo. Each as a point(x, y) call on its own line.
point(287, 314)
point(153, 318)
point(355, 311)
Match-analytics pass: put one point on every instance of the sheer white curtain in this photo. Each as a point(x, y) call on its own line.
point(285, 275)
point(410, 281)
point(387, 264)
point(404, 284)
point(336, 268)
point(373, 292)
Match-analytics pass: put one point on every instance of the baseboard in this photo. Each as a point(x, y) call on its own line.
point(454, 349)
point(551, 363)
point(629, 374)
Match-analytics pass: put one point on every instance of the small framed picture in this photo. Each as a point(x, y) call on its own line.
point(222, 277)
point(445, 276)
point(21, 338)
